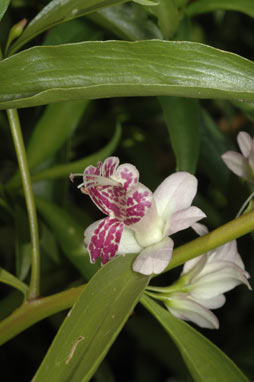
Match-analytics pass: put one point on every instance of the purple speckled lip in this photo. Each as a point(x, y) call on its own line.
point(116, 191)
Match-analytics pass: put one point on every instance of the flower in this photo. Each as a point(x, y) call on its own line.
point(242, 164)
point(202, 285)
point(138, 220)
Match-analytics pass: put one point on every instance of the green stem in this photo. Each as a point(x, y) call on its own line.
point(33, 311)
point(34, 288)
point(225, 233)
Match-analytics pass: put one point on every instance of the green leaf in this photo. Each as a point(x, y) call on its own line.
point(127, 21)
point(8, 278)
point(53, 129)
point(93, 323)
point(58, 11)
point(92, 70)
point(205, 361)
point(204, 6)
point(70, 236)
point(147, 2)
point(4, 4)
point(182, 117)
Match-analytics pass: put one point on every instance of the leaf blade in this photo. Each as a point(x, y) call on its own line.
point(94, 322)
point(196, 349)
point(93, 70)
point(204, 6)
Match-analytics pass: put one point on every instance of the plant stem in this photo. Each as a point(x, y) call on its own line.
point(33, 311)
point(34, 288)
point(222, 235)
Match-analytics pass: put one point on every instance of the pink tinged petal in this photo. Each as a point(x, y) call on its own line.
point(193, 267)
point(251, 162)
point(200, 229)
point(128, 243)
point(138, 203)
point(237, 163)
point(189, 310)
point(227, 252)
point(217, 278)
point(155, 258)
point(184, 219)
point(105, 240)
point(127, 175)
point(245, 143)
point(175, 193)
point(109, 166)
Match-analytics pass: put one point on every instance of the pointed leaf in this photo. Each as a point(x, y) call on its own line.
point(205, 361)
point(8, 278)
point(119, 68)
point(4, 4)
point(93, 323)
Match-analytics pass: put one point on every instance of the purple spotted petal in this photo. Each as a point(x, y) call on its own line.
point(138, 203)
point(127, 175)
point(109, 166)
point(105, 239)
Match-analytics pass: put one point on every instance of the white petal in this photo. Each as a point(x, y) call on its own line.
point(184, 219)
point(155, 258)
point(227, 252)
point(245, 143)
point(237, 163)
point(194, 266)
point(217, 279)
point(128, 243)
point(251, 162)
point(213, 303)
point(200, 229)
point(189, 310)
point(175, 193)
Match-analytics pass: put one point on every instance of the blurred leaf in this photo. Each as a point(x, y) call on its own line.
point(53, 129)
point(205, 361)
point(147, 2)
point(8, 278)
point(4, 4)
point(48, 244)
point(69, 234)
point(182, 117)
point(72, 31)
point(204, 6)
point(58, 11)
point(246, 107)
point(213, 144)
point(79, 165)
point(119, 68)
point(23, 246)
point(93, 323)
point(127, 21)
point(168, 18)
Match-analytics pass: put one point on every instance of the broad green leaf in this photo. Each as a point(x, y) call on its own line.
point(205, 361)
point(93, 323)
point(53, 129)
point(58, 11)
point(4, 4)
point(70, 236)
point(182, 117)
point(127, 21)
point(8, 278)
point(92, 70)
point(204, 6)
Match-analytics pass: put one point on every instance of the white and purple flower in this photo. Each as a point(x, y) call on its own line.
point(137, 219)
point(242, 164)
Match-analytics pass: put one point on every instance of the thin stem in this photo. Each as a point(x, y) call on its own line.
point(34, 288)
point(222, 235)
point(33, 311)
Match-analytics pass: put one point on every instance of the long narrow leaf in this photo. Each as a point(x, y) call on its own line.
point(93, 323)
point(205, 361)
point(119, 68)
point(8, 278)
